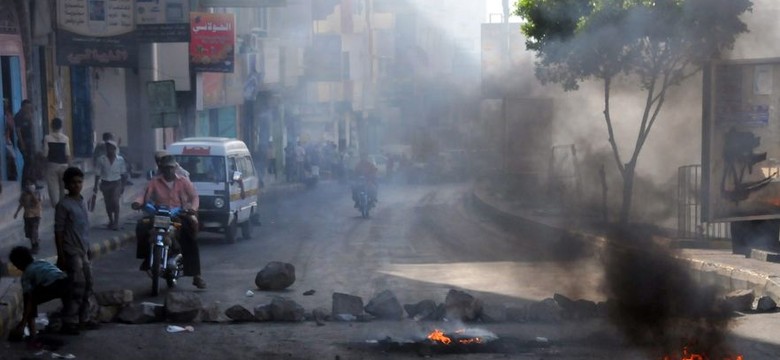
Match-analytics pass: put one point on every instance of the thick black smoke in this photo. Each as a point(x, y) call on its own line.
point(654, 301)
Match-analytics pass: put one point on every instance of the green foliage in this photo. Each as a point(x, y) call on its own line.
point(578, 39)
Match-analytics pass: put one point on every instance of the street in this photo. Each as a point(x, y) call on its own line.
point(420, 242)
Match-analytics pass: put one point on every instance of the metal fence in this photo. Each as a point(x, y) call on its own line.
point(689, 220)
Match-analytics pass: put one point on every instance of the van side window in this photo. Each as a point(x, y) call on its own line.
point(232, 165)
point(245, 166)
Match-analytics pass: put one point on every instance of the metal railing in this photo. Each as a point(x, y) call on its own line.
point(689, 220)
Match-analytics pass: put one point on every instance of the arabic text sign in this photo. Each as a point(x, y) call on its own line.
point(212, 42)
point(96, 33)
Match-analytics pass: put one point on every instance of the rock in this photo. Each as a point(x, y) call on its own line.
point(263, 312)
point(765, 304)
point(107, 314)
point(182, 306)
point(210, 313)
point(142, 313)
point(114, 297)
point(275, 276)
point(239, 313)
point(320, 315)
point(546, 310)
point(344, 317)
point(346, 304)
point(460, 305)
point(740, 300)
point(494, 313)
point(517, 313)
point(423, 310)
point(385, 306)
point(283, 309)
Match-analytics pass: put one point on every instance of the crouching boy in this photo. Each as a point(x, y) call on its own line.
point(41, 283)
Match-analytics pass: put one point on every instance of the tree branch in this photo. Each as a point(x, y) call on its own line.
point(610, 130)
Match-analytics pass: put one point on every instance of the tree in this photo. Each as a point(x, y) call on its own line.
point(660, 43)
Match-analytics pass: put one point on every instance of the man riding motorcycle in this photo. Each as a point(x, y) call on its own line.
point(172, 190)
point(367, 170)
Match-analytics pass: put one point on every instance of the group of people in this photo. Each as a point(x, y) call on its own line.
point(70, 279)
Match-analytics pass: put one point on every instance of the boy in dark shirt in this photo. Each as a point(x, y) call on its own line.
point(41, 283)
point(71, 234)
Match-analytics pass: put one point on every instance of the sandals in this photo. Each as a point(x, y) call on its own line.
point(199, 282)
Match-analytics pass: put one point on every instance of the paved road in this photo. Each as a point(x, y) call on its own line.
point(420, 242)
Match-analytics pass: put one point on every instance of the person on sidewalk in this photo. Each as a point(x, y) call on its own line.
point(172, 190)
point(41, 283)
point(30, 200)
point(270, 156)
point(56, 148)
point(71, 235)
point(110, 176)
point(23, 122)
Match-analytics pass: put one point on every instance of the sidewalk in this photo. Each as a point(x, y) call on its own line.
point(103, 240)
point(716, 265)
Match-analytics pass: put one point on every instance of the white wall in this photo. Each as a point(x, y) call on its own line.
point(109, 104)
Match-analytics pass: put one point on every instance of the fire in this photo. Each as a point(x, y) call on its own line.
point(438, 336)
point(688, 355)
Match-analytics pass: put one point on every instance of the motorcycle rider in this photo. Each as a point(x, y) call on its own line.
point(368, 171)
point(172, 190)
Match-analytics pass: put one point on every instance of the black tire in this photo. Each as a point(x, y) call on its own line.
point(231, 231)
point(246, 229)
point(155, 270)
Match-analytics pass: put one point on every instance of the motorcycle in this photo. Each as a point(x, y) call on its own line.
point(363, 198)
point(165, 261)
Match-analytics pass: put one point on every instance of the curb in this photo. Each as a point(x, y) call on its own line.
point(707, 272)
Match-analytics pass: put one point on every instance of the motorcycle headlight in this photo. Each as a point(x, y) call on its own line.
point(219, 202)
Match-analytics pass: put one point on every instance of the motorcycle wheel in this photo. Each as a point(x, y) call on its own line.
point(155, 270)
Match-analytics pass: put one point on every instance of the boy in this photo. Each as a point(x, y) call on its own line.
point(30, 201)
point(71, 235)
point(41, 282)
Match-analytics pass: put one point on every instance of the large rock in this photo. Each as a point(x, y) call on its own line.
point(107, 314)
point(740, 300)
point(239, 313)
point(496, 313)
point(114, 297)
point(142, 313)
point(345, 304)
point(385, 306)
point(182, 306)
point(423, 310)
point(460, 305)
point(283, 309)
point(275, 275)
point(210, 313)
point(546, 310)
point(765, 304)
point(263, 312)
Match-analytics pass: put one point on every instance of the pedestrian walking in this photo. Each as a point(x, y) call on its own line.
point(23, 121)
point(71, 235)
point(110, 176)
point(270, 156)
point(30, 200)
point(56, 148)
point(41, 283)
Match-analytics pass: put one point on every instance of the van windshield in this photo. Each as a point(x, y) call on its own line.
point(203, 168)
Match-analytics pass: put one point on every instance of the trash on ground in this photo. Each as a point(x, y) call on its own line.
point(55, 355)
point(309, 292)
point(176, 329)
point(249, 293)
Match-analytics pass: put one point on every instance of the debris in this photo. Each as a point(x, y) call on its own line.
point(541, 339)
point(66, 356)
point(308, 292)
point(176, 329)
point(249, 293)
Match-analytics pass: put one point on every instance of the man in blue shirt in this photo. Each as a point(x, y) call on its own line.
point(41, 283)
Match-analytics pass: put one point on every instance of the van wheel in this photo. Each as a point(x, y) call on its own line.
point(231, 231)
point(246, 229)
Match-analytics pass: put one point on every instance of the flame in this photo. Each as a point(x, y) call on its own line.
point(688, 355)
point(438, 336)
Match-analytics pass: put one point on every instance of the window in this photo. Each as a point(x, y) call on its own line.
point(245, 166)
point(203, 168)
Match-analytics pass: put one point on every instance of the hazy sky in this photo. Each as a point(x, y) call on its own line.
point(494, 7)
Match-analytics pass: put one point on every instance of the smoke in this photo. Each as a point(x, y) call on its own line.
point(654, 301)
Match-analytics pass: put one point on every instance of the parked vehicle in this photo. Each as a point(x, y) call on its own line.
point(224, 175)
point(165, 261)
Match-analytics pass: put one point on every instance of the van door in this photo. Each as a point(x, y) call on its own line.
point(250, 182)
